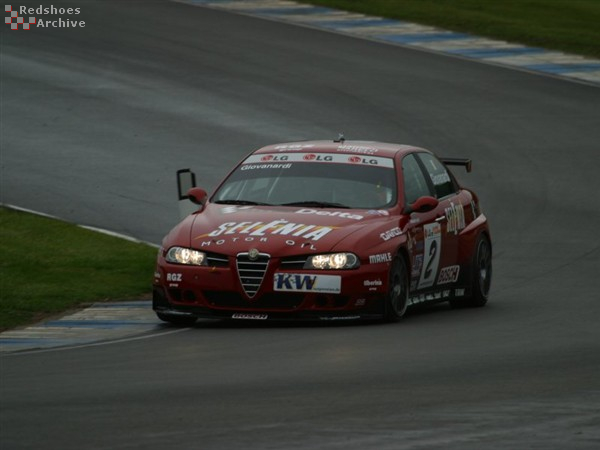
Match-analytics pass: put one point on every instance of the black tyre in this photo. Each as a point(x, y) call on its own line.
point(396, 300)
point(481, 275)
point(180, 321)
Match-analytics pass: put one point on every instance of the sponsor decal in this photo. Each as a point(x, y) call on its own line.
point(260, 159)
point(360, 302)
point(234, 209)
point(380, 258)
point(378, 212)
point(459, 293)
point(440, 178)
point(433, 248)
point(269, 158)
point(416, 299)
point(357, 149)
point(174, 276)
point(290, 242)
point(372, 283)
point(416, 266)
point(275, 227)
point(294, 282)
point(446, 294)
point(456, 218)
point(390, 234)
point(320, 212)
point(265, 166)
point(361, 160)
point(317, 158)
point(286, 147)
point(157, 275)
point(250, 316)
point(411, 240)
point(448, 275)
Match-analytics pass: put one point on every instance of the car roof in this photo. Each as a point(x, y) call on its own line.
point(372, 148)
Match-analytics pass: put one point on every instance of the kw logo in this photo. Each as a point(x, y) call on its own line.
point(299, 282)
point(292, 282)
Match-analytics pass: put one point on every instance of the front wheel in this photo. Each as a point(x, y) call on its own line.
point(481, 275)
point(396, 300)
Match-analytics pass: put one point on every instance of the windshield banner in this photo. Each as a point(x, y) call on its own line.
point(365, 160)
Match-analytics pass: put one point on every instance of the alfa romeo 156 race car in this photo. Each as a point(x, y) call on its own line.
point(326, 230)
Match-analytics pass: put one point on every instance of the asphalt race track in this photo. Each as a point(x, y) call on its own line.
point(95, 122)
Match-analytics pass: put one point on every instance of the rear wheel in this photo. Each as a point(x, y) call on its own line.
point(481, 275)
point(396, 300)
point(180, 321)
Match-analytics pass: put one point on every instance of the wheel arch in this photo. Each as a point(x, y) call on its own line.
point(402, 252)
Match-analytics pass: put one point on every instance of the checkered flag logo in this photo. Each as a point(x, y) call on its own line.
point(14, 20)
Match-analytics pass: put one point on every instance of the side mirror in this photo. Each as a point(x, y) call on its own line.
point(423, 204)
point(197, 196)
point(186, 179)
point(188, 194)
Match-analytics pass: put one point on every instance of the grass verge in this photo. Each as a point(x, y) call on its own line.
point(49, 266)
point(567, 25)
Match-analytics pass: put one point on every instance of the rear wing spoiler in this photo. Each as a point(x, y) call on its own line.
point(465, 162)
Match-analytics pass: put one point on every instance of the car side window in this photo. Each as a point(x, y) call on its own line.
point(415, 184)
point(440, 178)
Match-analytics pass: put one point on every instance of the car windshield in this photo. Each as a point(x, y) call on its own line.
point(362, 183)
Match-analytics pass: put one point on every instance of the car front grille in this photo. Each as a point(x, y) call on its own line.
point(252, 272)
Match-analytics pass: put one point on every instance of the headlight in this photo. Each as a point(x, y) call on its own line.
point(181, 255)
point(332, 261)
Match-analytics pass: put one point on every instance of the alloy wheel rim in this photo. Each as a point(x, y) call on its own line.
point(485, 267)
point(399, 293)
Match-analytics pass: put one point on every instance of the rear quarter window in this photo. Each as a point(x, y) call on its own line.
point(442, 180)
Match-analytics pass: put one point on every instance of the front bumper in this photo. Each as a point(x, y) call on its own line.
point(220, 293)
point(161, 304)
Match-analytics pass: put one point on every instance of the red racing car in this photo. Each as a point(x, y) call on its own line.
point(326, 230)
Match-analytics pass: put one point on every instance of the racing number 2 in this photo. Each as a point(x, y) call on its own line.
point(433, 246)
point(430, 257)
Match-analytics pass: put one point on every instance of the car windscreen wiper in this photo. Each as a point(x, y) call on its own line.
point(317, 204)
point(238, 202)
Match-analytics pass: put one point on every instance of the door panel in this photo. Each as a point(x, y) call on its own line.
point(440, 266)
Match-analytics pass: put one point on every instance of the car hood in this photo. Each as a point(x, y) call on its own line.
point(279, 231)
